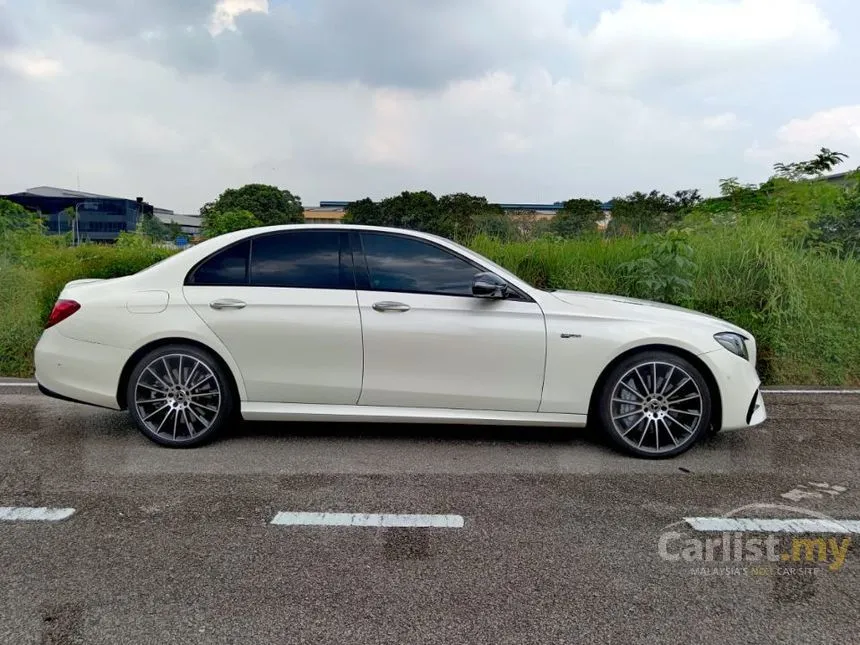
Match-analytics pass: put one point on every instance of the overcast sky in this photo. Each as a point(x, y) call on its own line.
point(517, 100)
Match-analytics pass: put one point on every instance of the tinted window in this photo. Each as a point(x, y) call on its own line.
point(228, 267)
point(403, 264)
point(306, 259)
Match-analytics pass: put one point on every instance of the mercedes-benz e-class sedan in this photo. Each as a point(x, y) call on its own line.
point(356, 323)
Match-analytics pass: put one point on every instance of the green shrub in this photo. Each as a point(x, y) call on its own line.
point(20, 324)
point(664, 271)
point(91, 261)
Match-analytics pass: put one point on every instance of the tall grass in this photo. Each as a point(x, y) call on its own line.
point(20, 319)
point(31, 281)
point(803, 308)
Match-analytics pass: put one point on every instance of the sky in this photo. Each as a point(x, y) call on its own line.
point(531, 101)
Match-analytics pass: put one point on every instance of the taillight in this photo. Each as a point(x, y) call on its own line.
point(62, 310)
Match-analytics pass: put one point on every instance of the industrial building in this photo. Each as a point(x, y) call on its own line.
point(100, 218)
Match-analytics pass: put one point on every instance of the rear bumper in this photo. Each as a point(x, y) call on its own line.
point(78, 371)
point(739, 383)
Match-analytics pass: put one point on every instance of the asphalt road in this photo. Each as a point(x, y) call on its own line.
point(559, 542)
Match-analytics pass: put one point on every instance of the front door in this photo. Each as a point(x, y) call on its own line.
point(428, 342)
point(284, 305)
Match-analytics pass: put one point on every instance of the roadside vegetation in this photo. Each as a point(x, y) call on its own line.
point(781, 258)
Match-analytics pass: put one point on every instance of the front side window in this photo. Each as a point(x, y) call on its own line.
point(302, 259)
point(226, 268)
point(397, 263)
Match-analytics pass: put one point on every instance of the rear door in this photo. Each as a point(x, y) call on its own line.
point(285, 306)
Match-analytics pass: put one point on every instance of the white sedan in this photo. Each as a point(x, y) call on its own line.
point(359, 323)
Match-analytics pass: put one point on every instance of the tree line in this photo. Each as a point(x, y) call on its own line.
point(458, 216)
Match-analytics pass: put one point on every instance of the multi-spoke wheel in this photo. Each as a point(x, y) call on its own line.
point(179, 396)
point(655, 404)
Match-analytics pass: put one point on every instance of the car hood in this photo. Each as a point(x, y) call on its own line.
point(636, 309)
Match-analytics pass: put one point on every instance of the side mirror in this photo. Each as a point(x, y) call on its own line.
point(489, 285)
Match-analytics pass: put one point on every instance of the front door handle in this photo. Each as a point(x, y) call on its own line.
point(227, 303)
point(390, 306)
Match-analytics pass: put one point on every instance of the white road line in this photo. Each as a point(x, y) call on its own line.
point(29, 513)
point(817, 392)
point(368, 519)
point(764, 525)
point(19, 385)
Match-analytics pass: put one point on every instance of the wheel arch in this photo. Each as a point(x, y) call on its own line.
point(139, 353)
point(698, 363)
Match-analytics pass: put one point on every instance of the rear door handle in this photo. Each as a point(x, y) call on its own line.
point(227, 303)
point(391, 306)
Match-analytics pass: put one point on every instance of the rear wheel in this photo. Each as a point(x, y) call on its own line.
point(179, 396)
point(655, 405)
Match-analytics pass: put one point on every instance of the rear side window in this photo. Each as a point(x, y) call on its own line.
point(226, 268)
point(303, 260)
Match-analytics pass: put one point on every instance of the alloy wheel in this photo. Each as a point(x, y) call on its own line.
point(177, 397)
point(656, 407)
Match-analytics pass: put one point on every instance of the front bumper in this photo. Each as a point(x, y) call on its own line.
point(77, 370)
point(739, 385)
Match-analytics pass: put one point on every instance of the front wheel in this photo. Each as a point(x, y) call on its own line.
point(655, 405)
point(179, 396)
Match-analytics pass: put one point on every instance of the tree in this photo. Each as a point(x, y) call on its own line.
point(418, 211)
point(174, 230)
point(14, 217)
point(364, 211)
point(19, 228)
point(641, 213)
point(576, 217)
point(461, 216)
point(688, 198)
point(268, 204)
point(153, 227)
point(220, 222)
point(458, 216)
point(825, 161)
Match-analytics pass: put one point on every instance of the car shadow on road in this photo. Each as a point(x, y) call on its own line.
point(414, 431)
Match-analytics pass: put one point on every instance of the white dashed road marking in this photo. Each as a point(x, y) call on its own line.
point(762, 525)
point(34, 514)
point(810, 391)
point(368, 519)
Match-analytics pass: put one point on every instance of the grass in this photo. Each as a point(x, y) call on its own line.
point(31, 281)
point(804, 309)
point(20, 319)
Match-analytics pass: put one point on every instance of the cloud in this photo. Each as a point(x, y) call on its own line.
point(31, 65)
point(224, 15)
point(518, 100)
point(725, 122)
point(405, 44)
point(181, 140)
point(799, 139)
point(677, 42)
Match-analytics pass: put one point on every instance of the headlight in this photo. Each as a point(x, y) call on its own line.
point(733, 342)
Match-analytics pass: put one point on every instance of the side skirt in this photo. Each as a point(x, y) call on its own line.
point(356, 413)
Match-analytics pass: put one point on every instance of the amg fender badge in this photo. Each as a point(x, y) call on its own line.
point(571, 335)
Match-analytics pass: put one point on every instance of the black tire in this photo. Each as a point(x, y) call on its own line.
point(643, 402)
point(188, 398)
